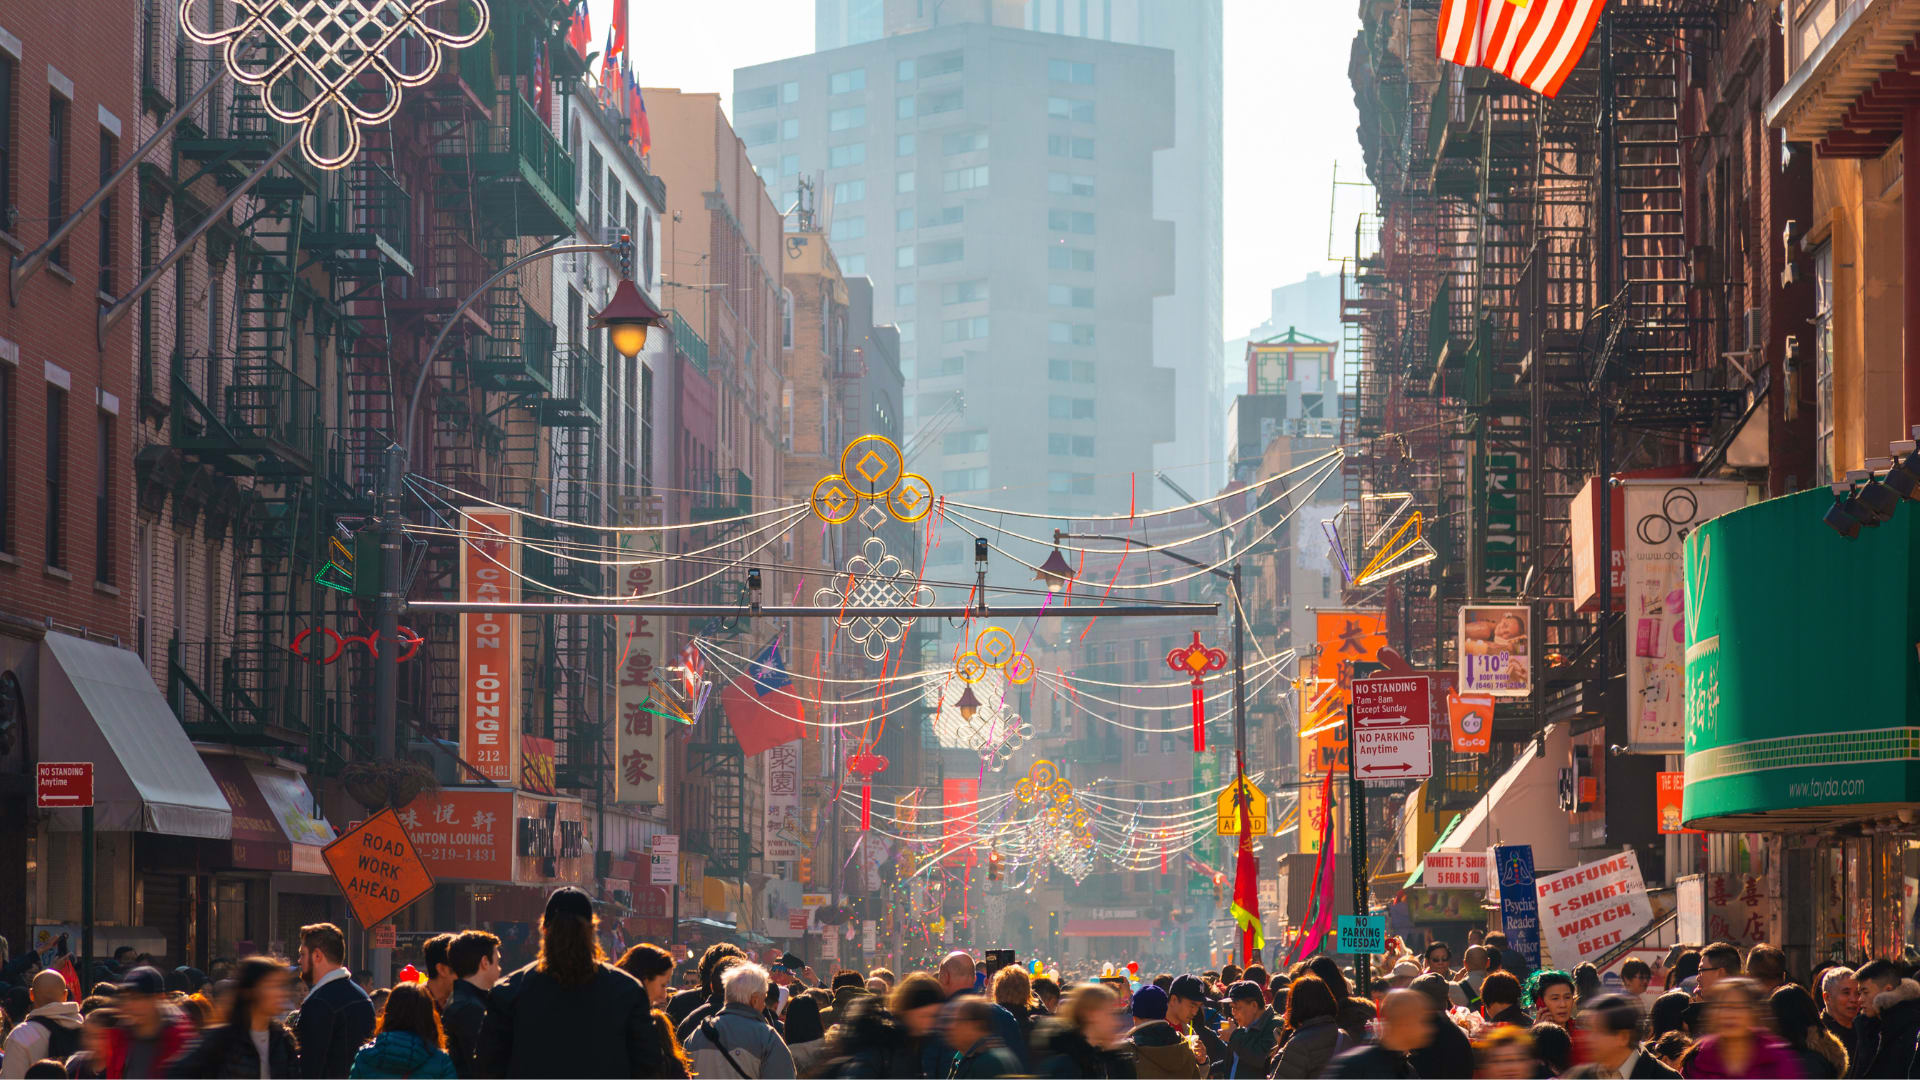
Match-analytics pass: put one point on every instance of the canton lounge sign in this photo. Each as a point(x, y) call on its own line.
point(490, 645)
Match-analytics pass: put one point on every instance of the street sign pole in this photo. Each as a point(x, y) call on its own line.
point(1362, 904)
point(86, 893)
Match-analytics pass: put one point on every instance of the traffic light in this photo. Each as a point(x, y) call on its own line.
point(993, 865)
point(1219, 886)
point(806, 869)
point(623, 250)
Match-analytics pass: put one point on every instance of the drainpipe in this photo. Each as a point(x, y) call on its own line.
point(1910, 306)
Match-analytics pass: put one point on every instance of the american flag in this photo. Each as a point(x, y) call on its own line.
point(1535, 43)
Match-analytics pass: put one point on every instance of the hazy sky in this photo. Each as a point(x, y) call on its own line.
point(1289, 115)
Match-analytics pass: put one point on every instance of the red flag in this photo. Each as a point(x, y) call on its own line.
point(1536, 43)
point(580, 30)
point(1246, 883)
point(763, 711)
point(639, 132)
point(542, 85)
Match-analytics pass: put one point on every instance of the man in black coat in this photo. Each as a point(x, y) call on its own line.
point(682, 1004)
point(337, 1015)
point(1893, 1002)
point(1611, 1028)
point(475, 959)
point(1449, 1052)
point(567, 1013)
point(1255, 1031)
point(1405, 1028)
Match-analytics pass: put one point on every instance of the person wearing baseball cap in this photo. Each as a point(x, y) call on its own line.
point(1159, 1050)
point(1187, 1010)
point(152, 1034)
point(570, 1013)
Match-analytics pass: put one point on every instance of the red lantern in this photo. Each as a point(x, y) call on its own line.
point(1196, 660)
point(866, 764)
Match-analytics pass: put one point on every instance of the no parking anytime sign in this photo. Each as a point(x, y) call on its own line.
point(1391, 734)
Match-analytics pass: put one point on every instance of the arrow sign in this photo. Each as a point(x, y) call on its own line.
point(1391, 735)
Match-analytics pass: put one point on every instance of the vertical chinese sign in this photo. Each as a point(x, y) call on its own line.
point(640, 741)
point(780, 828)
point(490, 645)
point(1659, 515)
point(1342, 639)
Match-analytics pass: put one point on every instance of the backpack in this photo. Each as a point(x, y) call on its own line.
point(62, 1041)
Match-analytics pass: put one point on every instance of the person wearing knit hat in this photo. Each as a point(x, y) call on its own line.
point(1159, 1049)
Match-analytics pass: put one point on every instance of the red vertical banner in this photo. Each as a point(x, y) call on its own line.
point(490, 645)
point(962, 819)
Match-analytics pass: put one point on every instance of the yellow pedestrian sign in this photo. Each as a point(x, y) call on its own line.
point(1229, 815)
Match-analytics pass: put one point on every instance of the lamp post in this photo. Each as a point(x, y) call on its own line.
point(1239, 648)
point(627, 318)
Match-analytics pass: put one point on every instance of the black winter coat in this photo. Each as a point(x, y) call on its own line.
point(335, 1020)
point(1061, 1051)
point(228, 1051)
point(462, 1019)
point(537, 1027)
point(1448, 1053)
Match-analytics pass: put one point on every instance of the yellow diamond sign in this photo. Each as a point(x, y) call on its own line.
point(1228, 817)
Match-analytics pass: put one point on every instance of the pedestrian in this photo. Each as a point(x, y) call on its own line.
point(1013, 991)
point(1313, 1033)
point(653, 966)
point(1500, 1000)
point(869, 1044)
point(439, 973)
point(959, 976)
point(1402, 975)
point(1187, 1012)
point(1673, 1049)
point(474, 957)
point(1505, 1052)
point(1159, 1050)
point(1797, 1022)
point(1256, 1031)
point(1586, 984)
point(847, 986)
point(1046, 993)
point(1404, 1028)
point(409, 1041)
point(1840, 1010)
point(51, 1027)
point(714, 1002)
point(1892, 1001)
point(1767, 965)
point(336, 1016)
point(569, 1013)
point(1671, 1011)
point(1552, 1047)
point(90, 1061)
point(1551, 996)
point(1449, 1052)
point(1738, 1043)
point(1473, 970)
point(738, 1041)
point(1636, 976)
point(708, 988)
point(253, 1042)
point(806, 1037)
point(152, 1033)
point(1610, 1028)
point(1354, 1014)
point(1085, 1038)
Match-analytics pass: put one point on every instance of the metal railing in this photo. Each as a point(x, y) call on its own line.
point(688, 343)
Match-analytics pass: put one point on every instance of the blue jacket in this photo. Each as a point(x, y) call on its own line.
point(335, 1021)
point(401, 1054)
point(936, 1056)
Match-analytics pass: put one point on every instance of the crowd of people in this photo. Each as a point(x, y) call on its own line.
point(577, 1012)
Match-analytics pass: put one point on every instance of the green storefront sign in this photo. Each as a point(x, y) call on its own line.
point(1802, 678)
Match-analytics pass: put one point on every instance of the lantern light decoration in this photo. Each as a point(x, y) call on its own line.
point(866, 765)
point(627, 318)
point(1195, 660)
point(1055, 572)
point(1061, 830)
point(968, 705)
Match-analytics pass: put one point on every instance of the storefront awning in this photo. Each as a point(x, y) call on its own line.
point(98, 704)
point(1523, 806)
point(1108, 927)
point(275, 822)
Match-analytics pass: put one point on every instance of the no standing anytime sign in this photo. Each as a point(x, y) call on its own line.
point(1391, 737)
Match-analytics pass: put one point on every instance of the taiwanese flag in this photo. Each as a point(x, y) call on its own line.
point(1246, 890)
point(639, 132)
point(580, 29)
point(763, 712)
point(542, 85)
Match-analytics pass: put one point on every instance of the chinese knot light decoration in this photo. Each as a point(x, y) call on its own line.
point(1195, 661)
point(866, 764)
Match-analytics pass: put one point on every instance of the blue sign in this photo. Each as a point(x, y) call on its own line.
point(1362, 935)
point(1519, 902)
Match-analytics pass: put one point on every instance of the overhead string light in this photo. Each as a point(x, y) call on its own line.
point(481, 500)
point(1182, 508)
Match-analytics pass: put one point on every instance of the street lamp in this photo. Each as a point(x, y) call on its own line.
point(1055, 571)
point(626, 319)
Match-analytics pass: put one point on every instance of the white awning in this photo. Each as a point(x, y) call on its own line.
point(98, 704)
point(1523, 806)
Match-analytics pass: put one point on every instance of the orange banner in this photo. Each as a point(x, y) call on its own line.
point(490, 645)
point(1470, 720)
point(1341, 638)
point(1668, 790)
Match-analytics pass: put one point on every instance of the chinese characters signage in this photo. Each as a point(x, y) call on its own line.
point(496, 834)
point(1342, 639)
point(1495, 651)
point(780, 836)
point(490, 645)
point(640, 741)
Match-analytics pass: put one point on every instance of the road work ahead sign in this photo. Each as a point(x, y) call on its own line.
point(377, 868)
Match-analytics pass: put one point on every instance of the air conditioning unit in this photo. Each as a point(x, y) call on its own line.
point(1754, 323)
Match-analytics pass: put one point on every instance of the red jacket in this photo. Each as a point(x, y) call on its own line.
point(176, 1035)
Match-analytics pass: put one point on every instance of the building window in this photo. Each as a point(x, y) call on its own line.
point(971, 329)
point(1070, 146)
point(962, 143)
point(963, 292)
point(789, 92)
point(1823, 364)
point(947, 215)
point(945, 101)
point(849, 191)
point(847, 228)
point(1060, 333)
point(1070, 184)
point(846, 82)
point(904, 145)
point(964, 179)
point(6, 458)
point(760, 97)
point(905, 293)
point(56, 508)
point(1075, 109)
point(1062, 445)
point(1070, 71)
point(904, 183)
point(595, 184)
point(789, 164)
point(945, 63)
point(1069, 483)
point(903, 256)
point(786, 318)
point(1080, 296)
point(58, 118)
point(950, 365)
point(790, 128)
point(7, 72)
point(847, 119)
point(850, 154)
point(109, 159)
point(963, 480)
point(964, 442)
point(1073, 221)
point(903, 107)
point(945, 251)
point(853, 265)
point(760, 134)
point(103, 502)
point(903, 71)
point(1066, 258)
point(907, 331)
